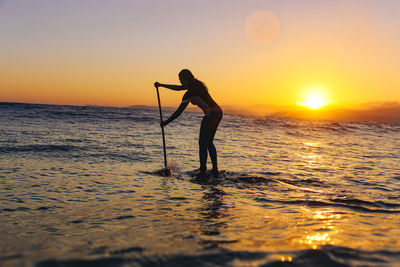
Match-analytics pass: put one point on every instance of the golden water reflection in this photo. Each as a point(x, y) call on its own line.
point(325, 233)
point(310, 156)
point(288, 228)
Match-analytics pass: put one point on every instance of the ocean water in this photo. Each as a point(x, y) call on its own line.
point(78, 187)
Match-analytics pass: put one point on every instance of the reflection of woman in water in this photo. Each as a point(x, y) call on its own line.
point(197, 94)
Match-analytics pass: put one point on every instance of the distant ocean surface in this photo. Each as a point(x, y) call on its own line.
point(78, 188)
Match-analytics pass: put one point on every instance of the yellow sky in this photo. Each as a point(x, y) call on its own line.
point(100, 53)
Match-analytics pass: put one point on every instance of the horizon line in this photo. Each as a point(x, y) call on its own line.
point(387, 114)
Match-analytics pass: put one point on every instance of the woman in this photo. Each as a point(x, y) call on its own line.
point(197, 94)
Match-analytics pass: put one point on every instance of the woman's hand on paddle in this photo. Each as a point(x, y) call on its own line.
point(163, 123)
point(157, 84)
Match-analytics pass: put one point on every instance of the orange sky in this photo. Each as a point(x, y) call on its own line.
point(255, 56)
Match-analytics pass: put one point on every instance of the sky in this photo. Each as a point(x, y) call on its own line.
point(255, 56)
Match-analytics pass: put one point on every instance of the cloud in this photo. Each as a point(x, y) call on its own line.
point(373, 111)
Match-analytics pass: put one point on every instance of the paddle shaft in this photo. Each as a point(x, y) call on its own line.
point(162, 129)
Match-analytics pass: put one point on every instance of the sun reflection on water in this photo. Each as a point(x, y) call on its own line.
point(313, 144)
point(310, 155)
point(289, 259)
point(324, 234)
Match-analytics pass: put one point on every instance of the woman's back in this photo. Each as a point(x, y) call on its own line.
point(198, 95)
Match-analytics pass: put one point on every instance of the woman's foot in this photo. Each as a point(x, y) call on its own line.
point(202, 174)
point(215, 172)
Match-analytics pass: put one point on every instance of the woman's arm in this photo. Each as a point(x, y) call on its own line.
point(170, 86)
point(176, 114)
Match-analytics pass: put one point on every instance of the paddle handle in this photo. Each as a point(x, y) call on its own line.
point(162, 128)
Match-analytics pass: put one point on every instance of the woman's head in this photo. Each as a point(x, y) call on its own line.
point(186, 77)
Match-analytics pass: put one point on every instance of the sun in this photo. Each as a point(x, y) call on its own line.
point(314, 99)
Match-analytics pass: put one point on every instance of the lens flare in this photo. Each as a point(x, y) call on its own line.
point(262, 27)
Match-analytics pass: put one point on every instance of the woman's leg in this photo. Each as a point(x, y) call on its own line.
point(208, 129)
point(203, 144)
point(211, 149)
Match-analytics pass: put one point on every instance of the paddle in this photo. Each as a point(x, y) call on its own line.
point(167, 171)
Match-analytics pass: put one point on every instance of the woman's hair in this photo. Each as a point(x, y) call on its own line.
point(187, 75)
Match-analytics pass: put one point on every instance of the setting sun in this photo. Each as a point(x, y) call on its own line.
point(314, 99)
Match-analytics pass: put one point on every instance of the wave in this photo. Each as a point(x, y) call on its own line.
point(218, 256)
point(38, 148)
point(78, 152)
point(338, 203)
point(81, 113)
point(301, 125)
point(273, 182)
point(41, 208)
point(377, 204)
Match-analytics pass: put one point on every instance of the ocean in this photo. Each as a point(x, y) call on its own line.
point(79, 187)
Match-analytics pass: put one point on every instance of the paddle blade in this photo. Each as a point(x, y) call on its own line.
point(163, 172)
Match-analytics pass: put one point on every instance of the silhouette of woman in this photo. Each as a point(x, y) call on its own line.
point(197, 94)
